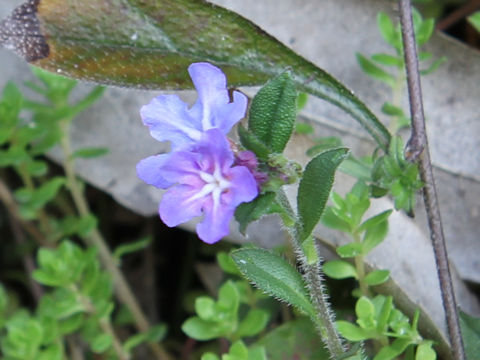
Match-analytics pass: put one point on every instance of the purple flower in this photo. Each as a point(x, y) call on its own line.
point(170, 119)
point(205, 183)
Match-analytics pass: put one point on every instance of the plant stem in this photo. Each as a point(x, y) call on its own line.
point(312, 274)
point(7, 198)
point(360, 267)
point(28, 181)
point(95, 239)
point(104, 322)
point(417, 143)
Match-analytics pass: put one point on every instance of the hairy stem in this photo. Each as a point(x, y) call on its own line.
point(95, 239)
point(416, 145)
point(312, 274)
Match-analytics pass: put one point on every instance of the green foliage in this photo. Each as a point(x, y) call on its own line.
point(378, 319)
point(262, 205)
point(294, 340)
point(475, 20)
point(272, 274)
point(400, 177)
point(238, 351)
point(131, 247)
point(311, 198)
point(273, 112)
point(471, 335)
point(221, 318)
point(88, 153)
point(378, 65)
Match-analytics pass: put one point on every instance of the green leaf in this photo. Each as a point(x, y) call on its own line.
point(392, 351)
point(89, 152)
point(275, 276)
point(154, 334)
point(131, 247)
point(358, 168)
point(392, 110)
point(424, 32)
point(201, 329)
point(255, 322)
point(255, 209)
point(302, 99)
point(37, 168)
point(295, 339)
point(351, 332)
point(42, 195)
point(374, 71)
point(314, 188)
point(374, 236)
point(377, 277)
point(101, 343)
point(149, 44)
point(435, 65)
point(10, 106)
point(350, 250)
point(303, 128)
point(253, 143)
point(227, 264)
point(425, 351)
point(388, 60)
point(471, 334)
point(339, 269)
point(388, 30)
point(331, 220)
point(475, 20)
point(273, 112)
point(209, 356)
point(375, 220)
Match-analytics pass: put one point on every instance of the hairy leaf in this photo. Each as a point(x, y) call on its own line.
point(315, 187)
point(275, 276)
point(150, 43)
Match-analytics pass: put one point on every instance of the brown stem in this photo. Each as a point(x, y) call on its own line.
point(459, 14)
point(418, 141)
point(27, 259)
point(7, 199)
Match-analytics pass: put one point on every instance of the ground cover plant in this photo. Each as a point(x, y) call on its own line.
point(226, 163)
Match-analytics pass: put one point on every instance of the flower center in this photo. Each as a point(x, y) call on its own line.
point(215, 184)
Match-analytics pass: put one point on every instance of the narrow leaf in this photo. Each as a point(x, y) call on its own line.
point(389, 60)
point(315, 186)
point(375, 220)
point(275, 276)
point(388, 30)
point(435, 65)
point(273, 112)
point(149, 44)
point(425, 31)
point(89, 152)
point(374, 71)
